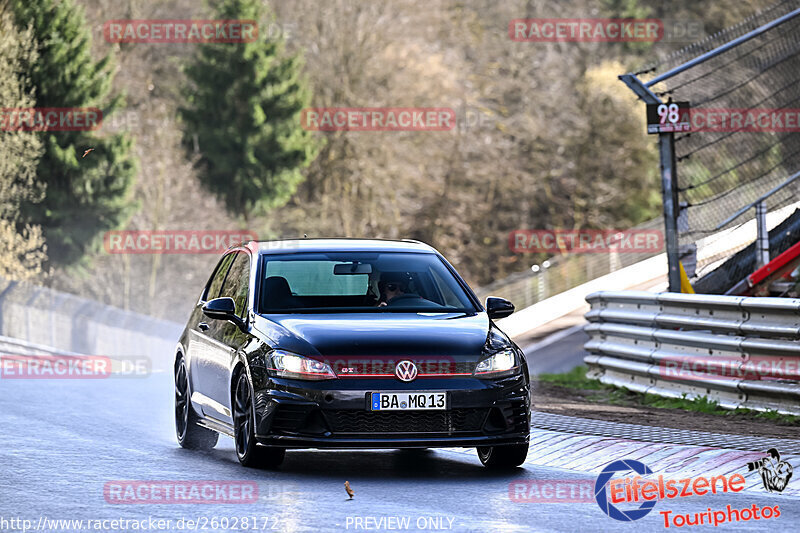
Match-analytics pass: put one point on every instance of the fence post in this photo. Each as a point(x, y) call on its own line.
point(669, 181)
point(528, 293)
point(3, 293)
point(669, 186)
point(762, 239)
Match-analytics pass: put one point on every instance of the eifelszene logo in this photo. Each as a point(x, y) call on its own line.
point(775, 474)
point(638, 488)
point(601, 496)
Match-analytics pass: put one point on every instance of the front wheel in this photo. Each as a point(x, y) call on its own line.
point(250, 454)
point(503, 456)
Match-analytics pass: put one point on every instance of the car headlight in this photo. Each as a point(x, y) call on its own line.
point(290, 365)
point(502, 363)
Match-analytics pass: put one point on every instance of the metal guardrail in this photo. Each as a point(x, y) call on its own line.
point(68, 323)
point(741, 352)
point(11, 346)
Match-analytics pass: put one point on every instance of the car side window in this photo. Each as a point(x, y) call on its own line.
point(237, 283)
point(219, 276)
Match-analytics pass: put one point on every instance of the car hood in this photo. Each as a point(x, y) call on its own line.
point(377, 334)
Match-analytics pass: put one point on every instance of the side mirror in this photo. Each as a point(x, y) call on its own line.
point(498, 307)
point(223, 309)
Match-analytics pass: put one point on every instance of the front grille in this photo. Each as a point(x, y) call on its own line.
point(363, 367)
point(371, 422)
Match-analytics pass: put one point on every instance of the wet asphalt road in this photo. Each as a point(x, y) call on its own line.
point(560, 352)
point(64, 440)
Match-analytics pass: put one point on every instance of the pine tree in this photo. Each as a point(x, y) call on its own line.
point(243, 116)
point(22, 253)
point(84, 197)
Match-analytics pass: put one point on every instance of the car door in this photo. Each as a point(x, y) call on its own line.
point(227, 338)
point(201, 345)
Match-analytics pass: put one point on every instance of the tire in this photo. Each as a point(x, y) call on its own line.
point(248, 451)
point(509, 456)
point(190, 435)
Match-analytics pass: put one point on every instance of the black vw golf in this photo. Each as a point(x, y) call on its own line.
point(344, 343)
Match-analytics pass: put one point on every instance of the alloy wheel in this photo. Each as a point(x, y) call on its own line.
point(243, 415)
point(181, 401)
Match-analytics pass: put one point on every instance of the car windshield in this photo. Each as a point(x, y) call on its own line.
point(359, 282)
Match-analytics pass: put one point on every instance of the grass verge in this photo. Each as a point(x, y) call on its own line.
point(576, 379)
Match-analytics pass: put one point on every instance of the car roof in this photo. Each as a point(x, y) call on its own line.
point(339, 245)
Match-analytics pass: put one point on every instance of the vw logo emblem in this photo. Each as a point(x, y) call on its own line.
point(406, 371)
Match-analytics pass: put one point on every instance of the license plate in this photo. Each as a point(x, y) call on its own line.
point(408, 401)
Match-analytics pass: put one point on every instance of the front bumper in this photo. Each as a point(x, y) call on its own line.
point(335, 414)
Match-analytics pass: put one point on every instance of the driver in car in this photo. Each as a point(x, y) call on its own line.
point(394, 287)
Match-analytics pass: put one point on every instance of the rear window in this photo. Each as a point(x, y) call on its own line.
point(359, 282)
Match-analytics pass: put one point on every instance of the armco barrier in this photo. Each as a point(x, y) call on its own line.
point(66, 322)
point(741, 352)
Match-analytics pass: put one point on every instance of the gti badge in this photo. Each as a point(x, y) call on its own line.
point(406, 371)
